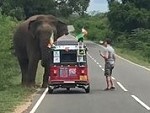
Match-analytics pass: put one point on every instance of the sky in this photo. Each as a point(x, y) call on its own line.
point(98, 5)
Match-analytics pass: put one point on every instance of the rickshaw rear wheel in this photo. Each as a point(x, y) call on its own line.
point(87, 90)
point(50, 90)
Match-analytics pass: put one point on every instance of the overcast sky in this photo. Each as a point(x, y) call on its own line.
point(98, 5)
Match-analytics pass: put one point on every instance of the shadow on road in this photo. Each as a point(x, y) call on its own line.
point(71, 91)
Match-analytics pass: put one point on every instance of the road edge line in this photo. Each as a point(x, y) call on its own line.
point(140, 102)
point(39, 101)
point(122, 87)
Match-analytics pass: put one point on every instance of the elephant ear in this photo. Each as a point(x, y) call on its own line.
point(61, 28)
point(33, 26)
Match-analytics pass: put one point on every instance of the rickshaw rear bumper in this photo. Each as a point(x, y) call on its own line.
point(68, 84)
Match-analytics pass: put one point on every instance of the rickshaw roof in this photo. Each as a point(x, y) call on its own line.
point(66, 40)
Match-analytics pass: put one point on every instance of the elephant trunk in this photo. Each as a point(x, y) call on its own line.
point(45, 52)
point(46, 58)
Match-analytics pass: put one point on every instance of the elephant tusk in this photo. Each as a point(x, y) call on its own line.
point(51, 40)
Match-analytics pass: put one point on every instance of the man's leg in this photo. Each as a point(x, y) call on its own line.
point(111, 80)
point(106, 73)
point(107, 82)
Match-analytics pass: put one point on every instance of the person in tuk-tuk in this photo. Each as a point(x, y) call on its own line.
point(82, 35)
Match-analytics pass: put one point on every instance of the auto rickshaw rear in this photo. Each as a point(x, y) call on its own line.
point(69, 67)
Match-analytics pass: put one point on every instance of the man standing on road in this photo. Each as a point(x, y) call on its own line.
point(109, 57)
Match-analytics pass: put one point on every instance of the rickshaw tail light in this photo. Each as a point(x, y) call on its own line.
point(82, 71)
point(55, 72)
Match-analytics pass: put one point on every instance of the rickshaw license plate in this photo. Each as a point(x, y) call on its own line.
point(69, 81)
point(63, 72)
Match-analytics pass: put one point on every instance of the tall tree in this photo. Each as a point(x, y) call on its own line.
point(79, 6)
point(32, 7)
point(139, 3)
point(27, 8)
point(124, 17)
point(73, 6)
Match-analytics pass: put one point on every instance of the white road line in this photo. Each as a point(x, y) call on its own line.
point(122, 86)
point(103, 69)
point(39, 101)
point(100, 66)
point(97, 63)
point(140, 102)
point(95, 60)
point(113, 78)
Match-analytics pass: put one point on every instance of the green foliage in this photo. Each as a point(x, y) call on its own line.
point(126, 17)
point(11, 92)
point(140, 40)
point(139, 3)
point(130, 23)
point(13, 96)
point(25, 8)
point(97, 26)
point(7, 65)
point(22, 9)
point(79, 6)
point(68, 7)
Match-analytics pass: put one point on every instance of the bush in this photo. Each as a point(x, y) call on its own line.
point(7, 61)
point(97, 26)
point(138, 41)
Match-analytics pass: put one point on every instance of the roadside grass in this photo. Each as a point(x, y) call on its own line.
point(12, 94)
point(133, 56)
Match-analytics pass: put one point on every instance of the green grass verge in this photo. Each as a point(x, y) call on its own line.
point(12, 97)
point(133, 56)
point(11, 92)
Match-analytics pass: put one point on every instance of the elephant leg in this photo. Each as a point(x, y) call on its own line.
point(24, 68)
point(32, 68)
point(45, 77)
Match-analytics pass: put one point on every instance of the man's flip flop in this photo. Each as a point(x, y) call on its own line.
point(106, 89)
point(112, 88)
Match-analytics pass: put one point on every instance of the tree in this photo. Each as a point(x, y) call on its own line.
point(130, 23)
point(124, 17)
point(79, 6)
point(26, 8)
point(67, 7)
point(139, 3)
point(32, 7)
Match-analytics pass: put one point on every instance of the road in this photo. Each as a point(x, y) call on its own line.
point(132, 94)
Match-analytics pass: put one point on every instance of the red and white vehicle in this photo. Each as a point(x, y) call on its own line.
point(69, 65)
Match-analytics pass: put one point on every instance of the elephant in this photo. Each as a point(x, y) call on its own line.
point(31, 40)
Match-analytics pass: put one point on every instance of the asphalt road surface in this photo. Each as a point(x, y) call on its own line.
point(132, 94)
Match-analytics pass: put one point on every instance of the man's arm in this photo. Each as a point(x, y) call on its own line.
point(104, 55)
point(114, 57)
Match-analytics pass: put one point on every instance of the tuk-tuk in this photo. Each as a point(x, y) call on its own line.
point(69, 65)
